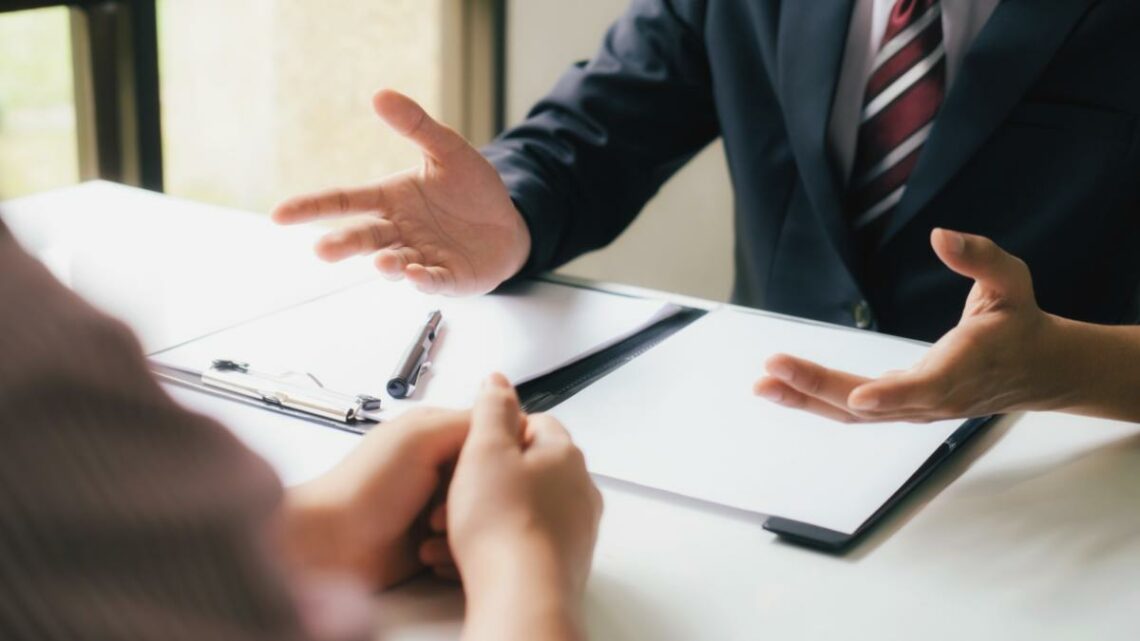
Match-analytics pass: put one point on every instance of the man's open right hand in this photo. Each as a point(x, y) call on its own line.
point(448, 226)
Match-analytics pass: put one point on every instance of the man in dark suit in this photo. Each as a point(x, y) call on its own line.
point(852, 129)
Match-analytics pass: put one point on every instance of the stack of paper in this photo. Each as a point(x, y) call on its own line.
point(683, 418)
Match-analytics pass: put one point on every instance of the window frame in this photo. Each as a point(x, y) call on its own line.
point(474, 54)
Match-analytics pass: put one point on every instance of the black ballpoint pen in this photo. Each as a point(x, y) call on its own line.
point(403, 381)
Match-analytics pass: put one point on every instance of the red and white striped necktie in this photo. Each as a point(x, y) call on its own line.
point(905, 90)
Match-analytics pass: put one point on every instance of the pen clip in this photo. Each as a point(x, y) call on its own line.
point(415, 380)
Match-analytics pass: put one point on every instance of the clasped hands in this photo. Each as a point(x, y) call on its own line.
point(491, 495)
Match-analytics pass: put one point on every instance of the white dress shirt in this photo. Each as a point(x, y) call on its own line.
point(962, 21)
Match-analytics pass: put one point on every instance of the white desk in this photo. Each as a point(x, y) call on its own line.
point(1033, 533)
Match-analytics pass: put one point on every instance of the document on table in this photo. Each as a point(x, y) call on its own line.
point(683, 418)
point(78, 232)
point(352, 340)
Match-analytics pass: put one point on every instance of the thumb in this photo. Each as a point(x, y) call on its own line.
point(982, 260)
point(409, 119)
point(496, 420)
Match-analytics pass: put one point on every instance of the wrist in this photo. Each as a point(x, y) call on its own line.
point(1096, 364)
point(522, 603)
point(513, 564)
point(1072, 366)
point(314, 533)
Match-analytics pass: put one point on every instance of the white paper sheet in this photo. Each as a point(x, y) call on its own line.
point(353, 339)
point(683, 418)
point(101, 239)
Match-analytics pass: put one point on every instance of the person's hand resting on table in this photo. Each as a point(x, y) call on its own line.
point(1005, 355)
point(367, 517)
point(448, 226)
point(522, 520)
point(518, 526)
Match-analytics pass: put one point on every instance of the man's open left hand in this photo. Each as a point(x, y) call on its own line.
point(998, 359)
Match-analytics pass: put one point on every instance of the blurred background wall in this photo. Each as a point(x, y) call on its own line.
point(682, 242)
point(267, 98)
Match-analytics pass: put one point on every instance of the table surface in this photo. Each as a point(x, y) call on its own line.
point(1032, 532)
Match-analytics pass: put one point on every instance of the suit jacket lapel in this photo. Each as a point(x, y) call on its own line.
point(1009, 54)
point(812, 37)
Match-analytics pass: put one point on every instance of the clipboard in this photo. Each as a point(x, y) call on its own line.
point(309, 401)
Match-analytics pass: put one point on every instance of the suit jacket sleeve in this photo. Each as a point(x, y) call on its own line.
point(123, 516)
point(600, 145)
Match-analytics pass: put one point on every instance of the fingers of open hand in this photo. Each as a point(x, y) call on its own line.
point(392, 262)
point(408, 262)
point(777, 391)
point(981, 259)
point(919, 395)
point(331, 203)
point(813, 380)
point(431, 279)
point(410, 120)
point(361, 238)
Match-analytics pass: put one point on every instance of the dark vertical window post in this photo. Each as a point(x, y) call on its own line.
point(115, 58)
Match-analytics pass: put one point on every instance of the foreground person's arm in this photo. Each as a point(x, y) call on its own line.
point(124, 517)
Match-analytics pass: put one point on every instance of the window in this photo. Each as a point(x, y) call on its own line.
point(38, 148)
point(260, 99)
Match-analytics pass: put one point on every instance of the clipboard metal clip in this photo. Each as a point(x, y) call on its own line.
point(278, 390)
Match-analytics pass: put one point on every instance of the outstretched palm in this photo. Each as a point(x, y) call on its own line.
point(992, 362)
point(448, 226)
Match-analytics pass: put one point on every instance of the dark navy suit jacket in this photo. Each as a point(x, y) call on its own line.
point(1035, 147)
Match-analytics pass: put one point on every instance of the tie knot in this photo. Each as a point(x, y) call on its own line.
point(907, 12)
